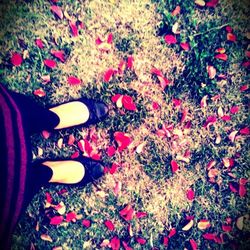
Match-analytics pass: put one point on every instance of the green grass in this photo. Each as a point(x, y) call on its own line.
point(148, 183)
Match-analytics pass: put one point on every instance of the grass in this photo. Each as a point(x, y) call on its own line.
point(147, 181)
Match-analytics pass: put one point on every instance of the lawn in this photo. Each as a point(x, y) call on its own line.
point(176, 141)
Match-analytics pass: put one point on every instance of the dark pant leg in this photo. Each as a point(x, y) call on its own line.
point(35, 117)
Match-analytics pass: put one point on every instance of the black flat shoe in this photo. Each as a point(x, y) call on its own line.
point(93, 170)
point(98, 110)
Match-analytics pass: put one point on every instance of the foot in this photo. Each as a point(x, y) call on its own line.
point(79, 172)
point(81, 112)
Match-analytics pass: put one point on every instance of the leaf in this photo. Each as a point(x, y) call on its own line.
point(128, 103)
point(50, 63)
point(231, 37)
point(174, 166)
point(190, 194)
point(200, 3)
point(39, 43)
point(115, 243)
point(240, 222)
point(176, 11)
point(59, 54)
point(141, 240)
point(185, 46)
point(109, 224)
point(56, 220)
point(222, 57)
point(72, 80)
point(203, 224)
point(57, 11)
point(39, 92)
point(46, 237)
point(188, 226)
point(170, 39)
point(16, 59)
point(211, 71)
point(73, 27)
point(86, 223)
point(193, 244)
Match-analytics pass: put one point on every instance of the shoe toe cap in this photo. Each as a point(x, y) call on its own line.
point(101, 110)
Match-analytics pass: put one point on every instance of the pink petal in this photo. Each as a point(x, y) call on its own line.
point(71, 216)
point(234, 109)
point(176, 102)
point(72, 80)
point(244, 88)
point(128, 103)
point(164, 82)
point(155, 106)
point(174, 166)
point(130, 62)
point(126, 246)
point(75, 155)
point(39, 92)
point(229, 29)
point(86, 223)
point(16, 59)
point(117, 188)
point(113, 168)
point(73, 27)
point(204, 101)
point(165, 241)
point(115, 98)
point(242, 190)
point(48, 197)
point(226, 228)
point(57, 11)
point(190, 194)
point(108, 75)
point(222, 57)
point(111, 151)
point(170, 39)
point(193, 244)
point(109, 224)
point(209, 236)
point(211, 71)
point(110, 38)
point(232, 188)
point(141, 240)
point(176, 11)
point(245, 131)
point(50, 63)
point(98, 41)
point(139, 215)
point(212, 3)
point(172, 232)
point(226, 117)
point(39, 43)
point(185, 46)
point(58, 54)
point(115, 243)
point(56, 220)
point(123, 140)
point(127, 213)
point(231, 37)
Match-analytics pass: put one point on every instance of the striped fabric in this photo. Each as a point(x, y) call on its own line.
point(13, 166)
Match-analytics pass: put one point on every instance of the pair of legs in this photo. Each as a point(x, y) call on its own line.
point(80, 112)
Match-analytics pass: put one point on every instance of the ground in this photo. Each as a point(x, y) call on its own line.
point(176, 142)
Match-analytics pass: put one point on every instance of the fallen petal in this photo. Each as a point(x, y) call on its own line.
point(170, 39)
point(57, 11)
point(16, 59)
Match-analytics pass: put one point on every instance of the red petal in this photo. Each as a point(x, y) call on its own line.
point(127, 213)
point(57, 11)
point(141, 240)
point(113, 168)
point(245, 131)
point(163, 82)
point(212, 3)
point(185, 46)
point(121, 67)
point(222, 57)
point(16, 59)
point(244, 88)
point(39, 43)
point(141, 215)
point(184, 114)
point(75, 155)
point(210, 120)
point(229, 28)
point(170, 39)
point(49, 63)
point(122, 140)
point(232, 188)
point(48, 197)
point(234, 109)
point(226, 228)
point(73, 27)
point(39, 92)
point(165, 241)
point(155, 106)
point(111, 151)
point(98, 41)
point(193, 244)
point(174, 166)
point(176, 11)
point(72, 80)
point(190, 194)
point(231, 37)
point(117, 188)
point(86, 223)
point(115, 243)
point(58, 54)
point(242, 190)
point(246, 64)
point(109, 225)
point(71, 216)
point(126, 246)
point(130, 62)
point(176, 102)
point(96, 157)
point(243, 181)
point(115, 98)
point(110, 38)
point(128, 103)
point(209, 236)
point(108, 75)
point(211, 71)
point(56, 220)
point(156, 72)
point(71, 139)
point(226, 117)
point(172, 232)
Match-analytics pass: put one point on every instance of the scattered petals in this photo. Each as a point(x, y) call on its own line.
point(72, 80)
point(109, 224)
point(141, 241)
point(212, 3)
point(200, 3)
point(86, 223)
point(123, 140)
point(242, 190)
point(128, 103)
point(170, 39)
point(59, 54)
point(245, 131)
point(71, 216)
point(244, 88)
point(193, 244)
point(50, 63)
point(117, 188)
point(111, 151)
point(209, 236)
point(108, 75)
point(127, 213)
point(73, 27)
point(188, 226)
point(231, 37)
point(57, 11)
point(232, 136)
point(130, 62)
point(115, 243)
point(56, 220)
point(172, 232)
point(203, 224)
point(126, 246)
point(139, 215)
point(234, 109)
point(185, 46)
point(176, 11)
point(174, 166)
point(39, 43)
point(190, 194)
point(226, 228)
point(220, 50)
point(204, 101)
